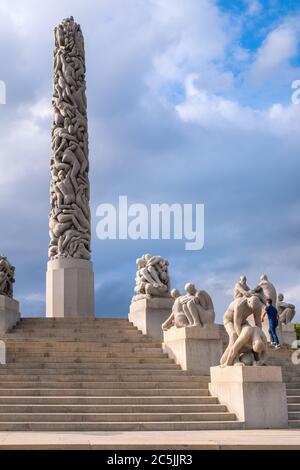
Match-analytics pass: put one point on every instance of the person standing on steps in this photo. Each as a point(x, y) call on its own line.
point(273, 318)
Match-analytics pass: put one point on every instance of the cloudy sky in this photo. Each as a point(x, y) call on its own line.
point(189, 101)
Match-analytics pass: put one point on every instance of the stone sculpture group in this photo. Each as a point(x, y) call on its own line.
point(195, 308)
point(152, 278)
point(7, 277)
point(69, 220)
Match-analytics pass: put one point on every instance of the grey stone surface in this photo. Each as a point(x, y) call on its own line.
point(9, 313)
point(70, 288)
point(194, 348)
point(148, 314)
point(255, 394)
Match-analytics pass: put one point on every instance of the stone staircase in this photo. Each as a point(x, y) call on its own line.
point(99, 375)
point(291, 377)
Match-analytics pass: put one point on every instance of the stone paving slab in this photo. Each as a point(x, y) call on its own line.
point(188, 440)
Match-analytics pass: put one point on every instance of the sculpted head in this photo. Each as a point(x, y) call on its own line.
point(264, 277)
point(175, 293)
point(61, 175)
point(190, 288)
point(141, 263)
point(254, 303)
point(258, 345)
point(243, 279)
point(280, 297)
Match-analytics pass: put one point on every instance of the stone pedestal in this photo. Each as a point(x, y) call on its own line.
point(289, 336)
point(149, 314)
point(193, 347)
point(70, 288)
point(255, 394)
point(9, 313)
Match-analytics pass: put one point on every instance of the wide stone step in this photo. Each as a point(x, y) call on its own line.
point(294, 406)
point(77, 346)
point(104, 392)
point(105, 377)
point(82, 356)
point(49, 369)
point(290, 385)
point(292, 399)
point(73, 400)
point(74, 328)
point(119, 417)
point(136, 340)
point(295, 392)
point(72, 321)
point(294, 415)
point(121, 426)
point(102, 385)
point(112, 409)
point(294, 423)
point(82, 337)
point(106, 369)
point(45, 362)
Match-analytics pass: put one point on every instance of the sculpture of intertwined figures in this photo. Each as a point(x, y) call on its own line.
point(69, 220)
point(152, 277)
point(247, 344)
point(7, 277)
point(195, 308)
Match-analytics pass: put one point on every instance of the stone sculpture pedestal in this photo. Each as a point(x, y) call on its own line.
point(195, 348)
point(289, 336)
point(256, 394)
point(70, 288)
point(149, 314)
point(9, 313)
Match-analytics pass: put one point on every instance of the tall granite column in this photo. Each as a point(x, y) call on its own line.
point(70, 279)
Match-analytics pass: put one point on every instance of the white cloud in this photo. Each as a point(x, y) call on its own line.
point(280, 45)
point(254, 7)
point(215, 111)
point(292, 294)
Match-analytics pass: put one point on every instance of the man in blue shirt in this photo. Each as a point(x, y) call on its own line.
point(273, 317)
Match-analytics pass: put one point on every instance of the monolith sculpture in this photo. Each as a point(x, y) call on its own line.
point(70, 280)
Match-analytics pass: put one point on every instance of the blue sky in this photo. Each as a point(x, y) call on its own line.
point(189, 102)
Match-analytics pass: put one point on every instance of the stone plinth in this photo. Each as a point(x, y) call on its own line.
point(289, 336)
point(70, 288)
point(9, 313)
point(149, 314)
point(256, 394)
point(194, 348)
